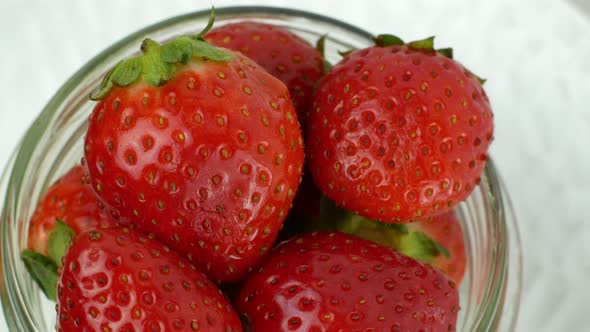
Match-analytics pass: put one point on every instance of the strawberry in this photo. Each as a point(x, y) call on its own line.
point(66, 209)
point(399, 131)
point(199, 146)
point(291, 59)
point(70, 200)
point(116, 279)
point(337, 282)
point(281, 52)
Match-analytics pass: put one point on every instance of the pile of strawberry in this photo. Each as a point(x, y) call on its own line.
point(181, 216)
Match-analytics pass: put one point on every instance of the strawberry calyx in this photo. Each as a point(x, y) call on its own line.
point(44, 269)
point(420, 246)
point(59, 240)
point(158, 63)
point(426, 44)
point(415, 244)
point(320, 45)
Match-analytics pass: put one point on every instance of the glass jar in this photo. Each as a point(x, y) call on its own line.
point(490, 292)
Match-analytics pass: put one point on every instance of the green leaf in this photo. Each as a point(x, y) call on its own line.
point(482, 81)
point(149, 45)
point(43, 270)
point(384, 234)
point(327, 66)
point(426, 44)
point(387, 40)
point(177, 50)
point(181, 49)
point(205, 50)
point(320, 45)
point(400, 228)
point(335, 218)
point(422, 247)
point(126, 72)
point(155, 71)
point(105, 86)
point(346, 53)
point(448, 52)
point(441, 249)
point(59, 241)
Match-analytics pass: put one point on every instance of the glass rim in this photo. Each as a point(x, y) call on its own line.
point(13, 174)
point(508, 252)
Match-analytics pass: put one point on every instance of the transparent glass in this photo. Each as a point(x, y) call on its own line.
point(490, 293)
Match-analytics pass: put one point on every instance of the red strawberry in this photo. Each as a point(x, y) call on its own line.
point(114, 279)
point(199, 146)
point(70, 200)
point(337, 282)
point(67, 208)
point(292, 60)
point(399, 131)
point(282, 53)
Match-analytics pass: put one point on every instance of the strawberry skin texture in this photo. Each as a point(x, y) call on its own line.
point(337, 282)
point(116, 279)
point(70, 200)
point(209, 162)
point(398, 134)
point(282, 53)
point(289, 58)
point(446, 230)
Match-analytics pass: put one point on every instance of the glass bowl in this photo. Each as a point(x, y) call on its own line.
point(490, 292)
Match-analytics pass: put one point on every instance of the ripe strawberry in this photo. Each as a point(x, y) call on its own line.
point(399, 131)
point(199, 146)
point(291, 59)
point(114, 279)
point(282, 53)
point(70, 200)
point(337, 282)
point(67, 208)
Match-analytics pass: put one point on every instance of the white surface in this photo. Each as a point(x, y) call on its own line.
point(535, 54)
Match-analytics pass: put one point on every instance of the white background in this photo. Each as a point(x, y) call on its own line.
point(535, 54)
